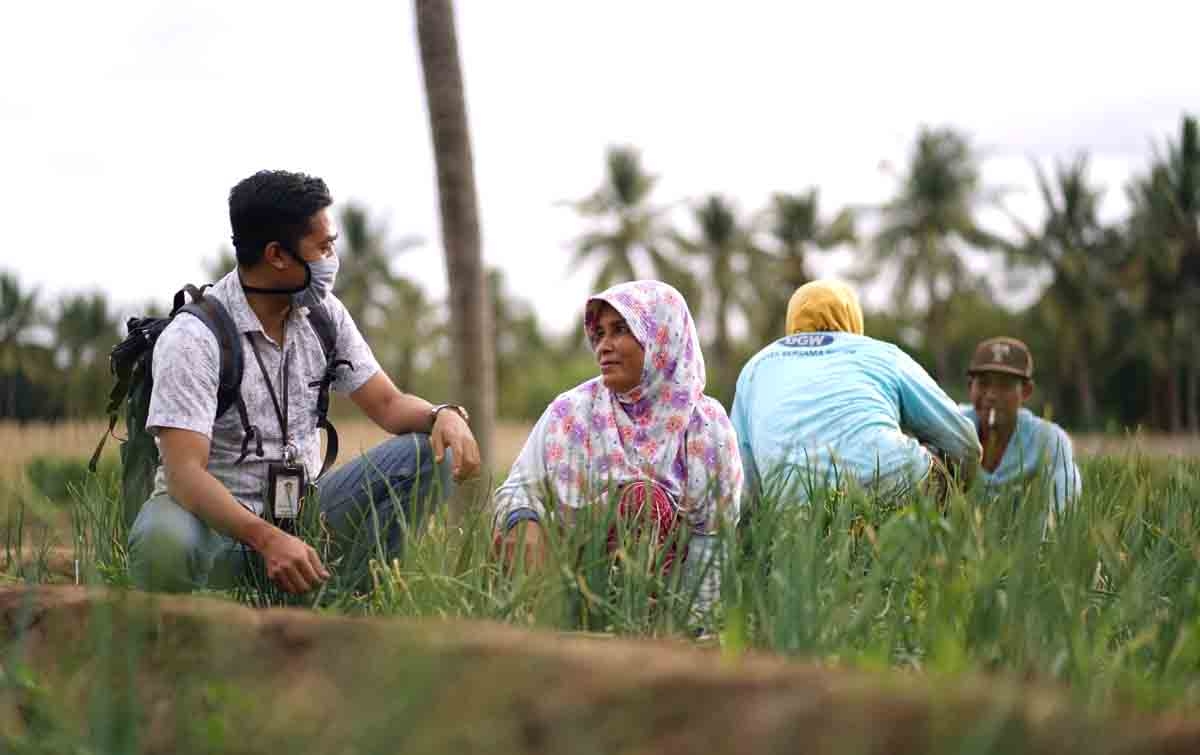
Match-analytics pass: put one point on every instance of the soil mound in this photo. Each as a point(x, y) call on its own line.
point(136, 673)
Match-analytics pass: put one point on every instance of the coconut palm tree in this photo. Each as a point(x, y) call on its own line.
point(1083, 256)
point(795, 228)
point(18, 317)
point(928, 225)
point(520, 343)
point(470, 324)
point(85, 330)
point(628, 233)
point(18, 313)
point(726, 248)
point(411, 333)
point(1165, 228)
point(366, 281)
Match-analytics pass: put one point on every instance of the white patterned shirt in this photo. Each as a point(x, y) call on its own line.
point(186, 375)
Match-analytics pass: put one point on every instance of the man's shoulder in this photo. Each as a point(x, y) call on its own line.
point(193, 325)
point(752, 363)
point(1045, 428)
point(333, 306)
point(186, 332)
point(222, 290)
point(329, 312)
point(186, 346)
point(1027, 416)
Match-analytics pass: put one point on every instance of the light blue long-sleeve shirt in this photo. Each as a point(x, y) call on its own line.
point(1036, 446)
point(817, 408)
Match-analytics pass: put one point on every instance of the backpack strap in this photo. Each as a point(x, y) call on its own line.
point(322, 324)
point(143, 334)
point(216, 318)
point(213, 314)
point(196, 294)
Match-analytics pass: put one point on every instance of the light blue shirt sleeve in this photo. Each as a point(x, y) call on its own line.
point(931, 415)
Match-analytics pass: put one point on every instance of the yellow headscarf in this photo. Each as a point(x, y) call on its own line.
point(824, 305)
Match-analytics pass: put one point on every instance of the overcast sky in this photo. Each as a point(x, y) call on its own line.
point(124, 124)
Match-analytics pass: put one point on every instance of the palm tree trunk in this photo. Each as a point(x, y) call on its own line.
point(1174, 401)
point(1193, 397)
point(470, 312)
point(1083, 382)
point(935, 336)
point(10, 406)
point(935, 325)
point(1087, 398)
point(797, 267)
point(1156, 419)
point(722, 347)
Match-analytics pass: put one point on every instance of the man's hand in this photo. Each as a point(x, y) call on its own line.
point(528, 538)
point(401, 413)
point(292, 563)
point(451, 431)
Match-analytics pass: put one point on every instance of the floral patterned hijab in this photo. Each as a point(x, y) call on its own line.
point(592, 439)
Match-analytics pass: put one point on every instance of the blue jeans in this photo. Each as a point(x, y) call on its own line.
point(172, 550)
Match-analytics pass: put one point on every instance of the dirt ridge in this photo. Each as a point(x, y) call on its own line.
point(213, 676)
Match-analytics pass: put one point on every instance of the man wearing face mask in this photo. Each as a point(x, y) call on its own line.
point(213, 486)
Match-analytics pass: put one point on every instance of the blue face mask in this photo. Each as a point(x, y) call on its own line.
point(321, 277)
point(324, 273)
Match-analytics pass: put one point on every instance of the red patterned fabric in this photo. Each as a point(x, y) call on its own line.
point(658, 514)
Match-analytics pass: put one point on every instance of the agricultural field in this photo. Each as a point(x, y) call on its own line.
point(973, 629)
point(21, 443)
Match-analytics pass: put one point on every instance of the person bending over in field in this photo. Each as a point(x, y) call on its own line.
point(215, 479)
point(642, 433)
point(825, 406)
point(1017, 446)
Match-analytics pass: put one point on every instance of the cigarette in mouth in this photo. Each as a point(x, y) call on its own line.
point(992, 418)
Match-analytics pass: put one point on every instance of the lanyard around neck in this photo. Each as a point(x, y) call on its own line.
point(281, 412)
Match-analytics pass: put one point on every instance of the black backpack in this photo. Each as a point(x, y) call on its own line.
point(131, 362)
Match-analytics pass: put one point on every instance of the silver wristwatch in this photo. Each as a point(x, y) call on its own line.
point(457, 409)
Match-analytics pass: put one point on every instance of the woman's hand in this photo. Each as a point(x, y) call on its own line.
point(527, 539)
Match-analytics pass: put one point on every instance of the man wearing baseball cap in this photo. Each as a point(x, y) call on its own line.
point(1016, 444)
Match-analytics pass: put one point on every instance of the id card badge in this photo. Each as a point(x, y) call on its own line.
point(286, 487)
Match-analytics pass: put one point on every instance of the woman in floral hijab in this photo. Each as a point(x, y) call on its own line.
point(644, 419)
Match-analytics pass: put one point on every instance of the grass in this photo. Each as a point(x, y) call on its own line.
point(1106, 603)
point(21, 443)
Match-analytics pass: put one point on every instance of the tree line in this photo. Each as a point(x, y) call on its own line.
point(1115, 332)
point(1115, 328)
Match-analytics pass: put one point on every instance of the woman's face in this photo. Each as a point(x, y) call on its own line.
point(618, 353)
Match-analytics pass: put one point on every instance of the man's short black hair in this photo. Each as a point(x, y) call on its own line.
point(273, 205)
